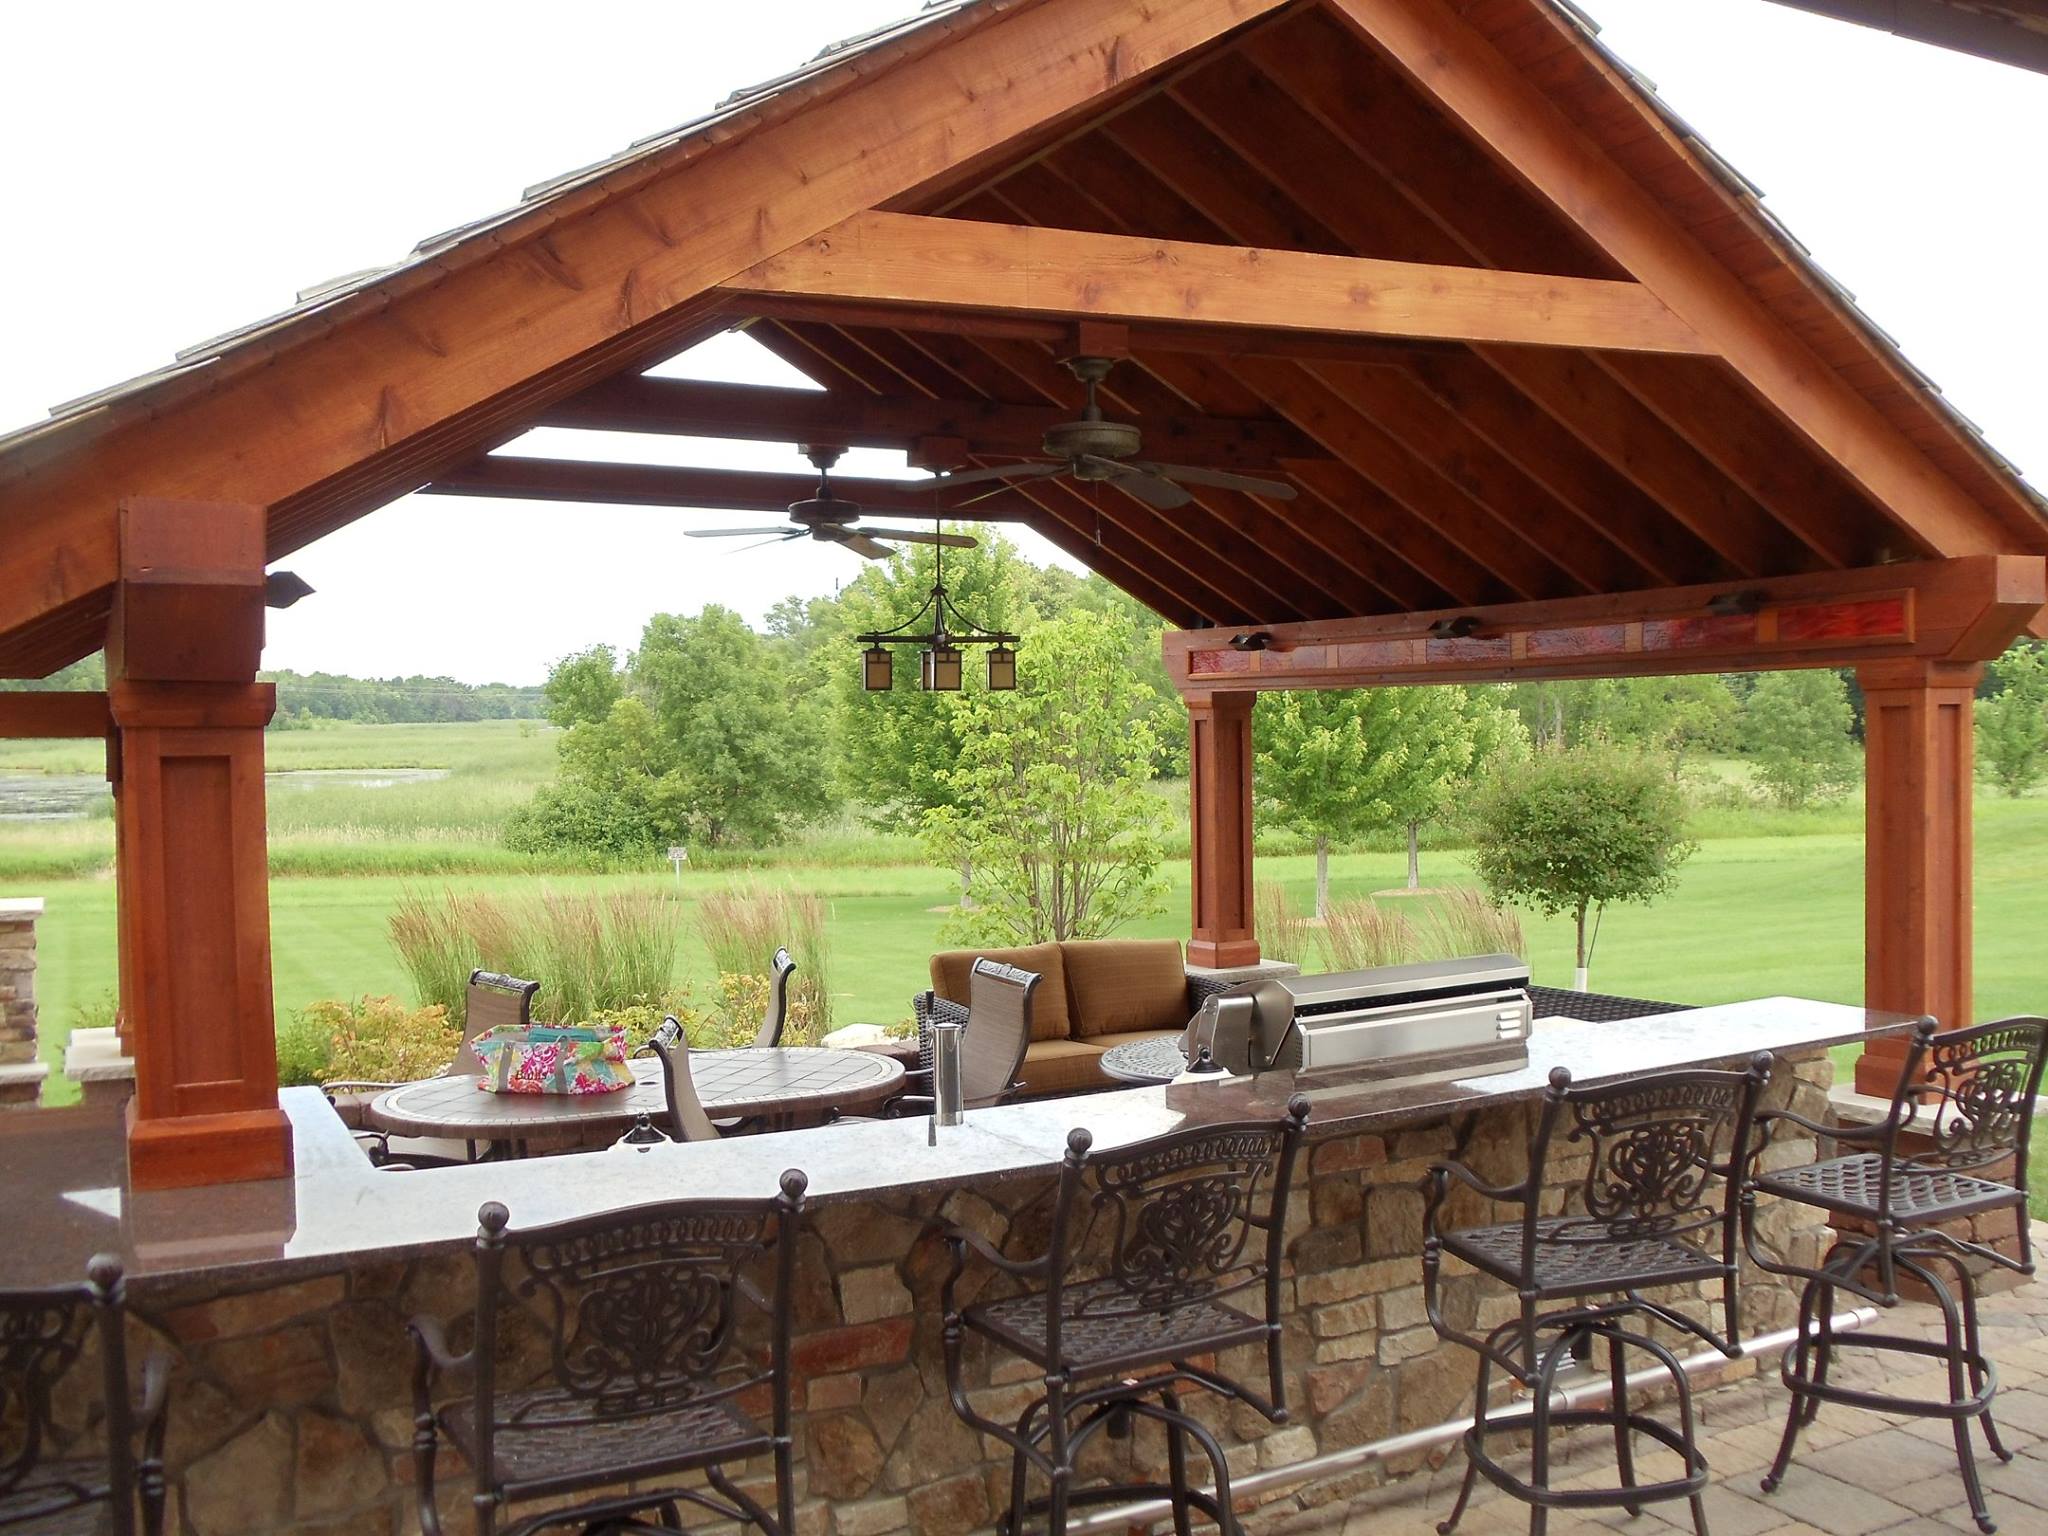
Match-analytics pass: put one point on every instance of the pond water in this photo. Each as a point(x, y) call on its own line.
point(75, 796)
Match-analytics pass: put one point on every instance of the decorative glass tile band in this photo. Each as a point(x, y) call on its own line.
point(1886, 617)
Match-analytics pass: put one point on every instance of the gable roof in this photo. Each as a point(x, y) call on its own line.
point(1069, 71)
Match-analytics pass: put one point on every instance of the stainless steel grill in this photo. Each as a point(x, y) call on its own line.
point(1465, 1017)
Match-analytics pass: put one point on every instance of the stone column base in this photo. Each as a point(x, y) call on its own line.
point(21, 1084)
point(1234, 974)
point(93, 1060)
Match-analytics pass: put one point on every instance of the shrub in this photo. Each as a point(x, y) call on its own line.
point(303, 1049)
point(742, 927)
point(1360, 934)
point(1465, 922)
point(1283, 932)
point(381, 1040)
point(589, 950)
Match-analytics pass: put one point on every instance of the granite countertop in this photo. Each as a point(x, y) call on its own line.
point(62, 1169)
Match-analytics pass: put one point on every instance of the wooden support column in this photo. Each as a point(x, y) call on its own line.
point(1916, 849)
point(1220, 782)
point(192, 882)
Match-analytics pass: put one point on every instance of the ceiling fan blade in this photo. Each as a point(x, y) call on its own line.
point(737, 533)
point(780, 538)
point(916, 536)
point(1141, 483)
point(861, 544)
point(1027, 471)
point(1223, 479)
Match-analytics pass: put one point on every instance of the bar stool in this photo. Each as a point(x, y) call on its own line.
point(1644, 1215)
point(648, 1368)
point(43, 1332)
point(1970, 1094)
point(1183, 1237)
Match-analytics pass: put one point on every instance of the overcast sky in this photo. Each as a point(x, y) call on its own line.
point(176, 170)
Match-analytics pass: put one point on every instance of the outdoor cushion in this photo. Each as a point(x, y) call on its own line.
point(1061, 1066)
point(1119, 985)
point(1049, 1016)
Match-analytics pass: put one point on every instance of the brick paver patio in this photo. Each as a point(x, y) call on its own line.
point(1855, 1473)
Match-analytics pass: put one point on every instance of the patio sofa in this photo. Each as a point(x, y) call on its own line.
point(1097, 993)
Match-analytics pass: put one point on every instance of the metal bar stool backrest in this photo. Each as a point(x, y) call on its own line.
point(776, 1015)
point(43, 1333)
point(999, 1009)
point(1184, 1221)
point(492, 1002)
point(685, 1110)
point(1664, 1158)
point(1969, 1094)
point(644, 1311)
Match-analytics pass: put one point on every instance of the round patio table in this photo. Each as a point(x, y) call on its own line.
point(784, 1085)
point(1145, 1061)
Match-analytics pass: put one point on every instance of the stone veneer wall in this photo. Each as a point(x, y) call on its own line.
point(291, 1412)
point(21, 1074)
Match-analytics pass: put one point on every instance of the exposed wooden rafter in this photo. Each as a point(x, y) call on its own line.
point(764, 413)
point(1452, 65)
point(512, 477)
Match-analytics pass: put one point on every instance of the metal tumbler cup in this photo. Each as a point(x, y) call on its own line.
point(946, 1096)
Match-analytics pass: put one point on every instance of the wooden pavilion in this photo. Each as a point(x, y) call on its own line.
point(1560, 396)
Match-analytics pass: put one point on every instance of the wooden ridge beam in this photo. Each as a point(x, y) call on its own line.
point(959, 264)
point(766, 413)
point(1451, 65)
point(1954, 612)
point(731, 490)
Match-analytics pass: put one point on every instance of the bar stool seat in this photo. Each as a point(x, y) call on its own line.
point(1101, 1331)
point(542, 1452)
point(1571, 1254)
point(71, 1498)
point(1858, 1186)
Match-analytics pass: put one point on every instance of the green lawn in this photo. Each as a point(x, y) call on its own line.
point(1772, 902)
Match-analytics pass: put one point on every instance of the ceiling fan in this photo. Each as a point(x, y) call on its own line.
point(830, 520)
point(1096, 449)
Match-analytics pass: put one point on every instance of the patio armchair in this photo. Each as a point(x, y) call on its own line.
point(685, 1111)
point(621, 1421)
point(996, 1031)
point(492, 1001)
point(776, 1014)
point(47, 1330)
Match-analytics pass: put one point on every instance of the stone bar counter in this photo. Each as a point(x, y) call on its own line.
point(287, 1300)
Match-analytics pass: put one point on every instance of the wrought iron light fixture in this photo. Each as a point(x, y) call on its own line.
point(941, 629)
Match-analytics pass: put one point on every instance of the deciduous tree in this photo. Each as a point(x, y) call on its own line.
point(1572, 831)
point(1048, 799)
point(1796, 727)
point(2012, 725)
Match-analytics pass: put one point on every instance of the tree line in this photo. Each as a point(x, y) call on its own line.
point(711, 732)
point(307, 699)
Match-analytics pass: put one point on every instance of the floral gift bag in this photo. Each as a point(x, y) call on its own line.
point(542, 1058)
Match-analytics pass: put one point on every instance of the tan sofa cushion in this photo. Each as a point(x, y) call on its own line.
point(1061, 1066)
point(1049, 1015)
point(1115, 986)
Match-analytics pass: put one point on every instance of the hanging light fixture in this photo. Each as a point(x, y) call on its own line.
point(1002, 668)
point(940, 668)
point(878, 669)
